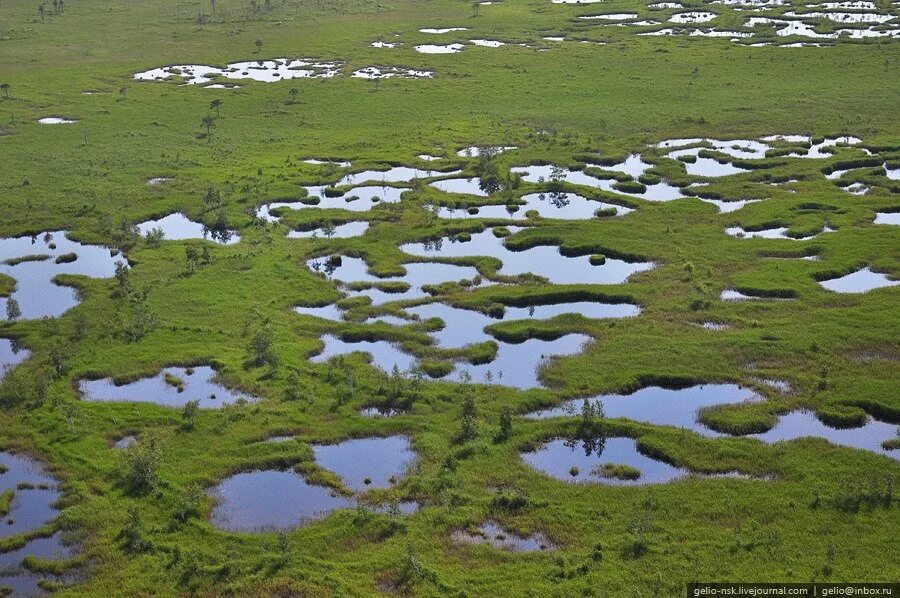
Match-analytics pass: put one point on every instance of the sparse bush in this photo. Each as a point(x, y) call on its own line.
point(142, 460)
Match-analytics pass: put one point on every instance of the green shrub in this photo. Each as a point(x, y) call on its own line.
point(66, 258)
point(174, 381)
point(839, 415)
point(435, 368)
point(598, 259)
point(617, 471)
point(630, 187)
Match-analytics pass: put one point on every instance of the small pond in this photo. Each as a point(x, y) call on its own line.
point(172, 387)
point(34, 261)
point(492, 533)
point(178, 227)
point(861, 281)
point(582, 462)
point(367, 463)
point(662, 406)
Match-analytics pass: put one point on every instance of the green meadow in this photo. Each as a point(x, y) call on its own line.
point(800, 510)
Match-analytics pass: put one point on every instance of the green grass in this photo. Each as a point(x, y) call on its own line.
point(576, 105)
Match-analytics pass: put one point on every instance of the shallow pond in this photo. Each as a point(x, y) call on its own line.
point(380, 412)
point(799, 424)
point(178, 227)
point(36, 293)
point(279, 69)
point(438, 49)
point(340, 231)
point(861, 281)
point(733, 295)
point(705, 167)
point(470, 186)
point(11, 355)
point(517, 365)
point(172, 387)
point(620, 16)
point(443, 30)
point(367, 463)
point(395, 174)
point(844, 17)
point(564, 206)
point(545, 261)
point(271, 500)
point(661, 406)
point(772, 233)
point(474, 151)
point(887, 218)
point(491, 532)
point(124, 442)
point(34, 494)
point(391, 72)
point(328, 312)
point(418, 275)
point(692, 17)
point(726, 207)
point(579, 462)
point(465, 327)
point(358, 199)
point(55, 120)
point(385, 355)
point(661, 191)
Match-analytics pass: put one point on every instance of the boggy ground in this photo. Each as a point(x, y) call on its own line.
point(140, 518)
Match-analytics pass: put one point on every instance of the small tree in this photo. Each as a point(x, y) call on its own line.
point(42, 8)
point(506, 424)
point(212, 197)
point(193, 257)
point(5, 88)
point(13, 312)
point(189, 414)
point(208, 121)
point(292, 94)
point(469, 426)
point(216, 104)
point(262, 351)
point(141, 463)
point(155, 236)
point(258, 43)
point(133, 536)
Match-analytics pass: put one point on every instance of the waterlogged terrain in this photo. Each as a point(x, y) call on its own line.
point(544, 261)
point(559, 297)
point(582, 462)
point(271, 500)
point(35, 262)
point(172, 387)
point(29, 498)
point(11, 354)
point(662, 406)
